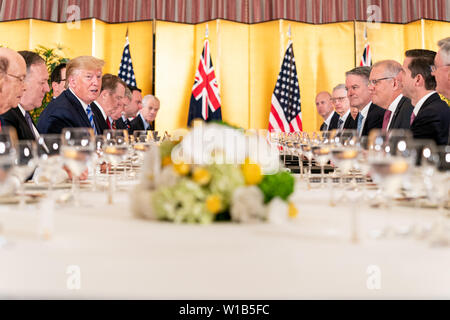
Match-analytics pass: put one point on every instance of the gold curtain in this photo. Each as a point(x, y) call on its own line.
point(246, 57)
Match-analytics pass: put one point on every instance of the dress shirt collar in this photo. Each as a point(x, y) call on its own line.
point(146, 124)
point(329, 119)
point(345, 116)
point(83, 104)
point(36, 132)
point(21, 109)
point(421, 101)
point(365, 110)
point(101, 109)
point(394, 104)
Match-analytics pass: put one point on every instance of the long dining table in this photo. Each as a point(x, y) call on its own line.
point(102, 251)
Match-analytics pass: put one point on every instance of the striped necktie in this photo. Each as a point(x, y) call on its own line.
point(340, 122)
point(91, 117)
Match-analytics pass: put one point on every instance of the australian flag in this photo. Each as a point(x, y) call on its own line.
point(205, 99)
point(126, 72)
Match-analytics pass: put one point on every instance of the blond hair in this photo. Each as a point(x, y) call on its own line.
point(82, 63)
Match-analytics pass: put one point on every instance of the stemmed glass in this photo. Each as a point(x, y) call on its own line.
point(98, 158)
point(78, 146)
point(25, 163)
point(344, 153)
point(142, 144)
point(321, 152)
point(50, 162)
point(115, 151)
point(8, 140)
point(390, 163)
point(307, 152)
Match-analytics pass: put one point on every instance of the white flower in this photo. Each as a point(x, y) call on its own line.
point(278, 211)
point(247, 205)
point(167, 177)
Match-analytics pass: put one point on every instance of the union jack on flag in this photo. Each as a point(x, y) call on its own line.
point(286, 113)
point(366, 59)
point(205, 98)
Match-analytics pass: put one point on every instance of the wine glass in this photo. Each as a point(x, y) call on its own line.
point(50, 161)
point(98, 159)
point(115, 151)
point(321, 151)
point(24, 166)
point(78, 146)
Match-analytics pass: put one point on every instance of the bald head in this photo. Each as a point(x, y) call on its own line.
point(323, 104)
point(12, 86)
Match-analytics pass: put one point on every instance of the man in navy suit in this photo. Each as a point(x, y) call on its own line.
point(13, 71)
point(36, 86)
point(342, 107)
point(430, 118)
point(326, 111)
point(145, 120)
point(120, 120)
point(58, 80)
point(72, 107)
point(109, 100)
point(386, 91)
point(370, 115)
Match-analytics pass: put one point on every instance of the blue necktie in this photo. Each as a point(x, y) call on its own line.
point(91, 117)
point(360, 120)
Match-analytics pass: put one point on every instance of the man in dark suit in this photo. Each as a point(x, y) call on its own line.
point(36, 86)
point(58, 80)
point(326, 111)
point(430, 118)
point(386, 91)
point(13, 71)
point(145, 120)
point(109, 100)
point(120, 120)
point(441, 68)
point(342, 107)
point(72, 108)
point(370, 115)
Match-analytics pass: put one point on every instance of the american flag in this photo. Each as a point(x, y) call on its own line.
point(126, 72)
point(366, 59)
point(205, 98)
point(286, 113)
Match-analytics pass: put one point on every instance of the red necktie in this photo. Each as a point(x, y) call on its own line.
point(109, 123)
point(413, 116)
point(387, 116)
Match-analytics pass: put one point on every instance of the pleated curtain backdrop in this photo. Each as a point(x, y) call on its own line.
point(246, 11)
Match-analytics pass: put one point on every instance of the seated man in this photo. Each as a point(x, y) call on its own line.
point(13, 71)
point(430, 118)
point(342, 107)
point(36, 86)
point(58, 80)
point(110, 99)
point(326, 111)
point(122, 122)
point(145, 120)
point(72, 108)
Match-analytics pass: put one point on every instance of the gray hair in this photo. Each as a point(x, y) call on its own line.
point(363, 72)
point(149, 98)
point(340, 86)
point(444, 45)
point(391, 67)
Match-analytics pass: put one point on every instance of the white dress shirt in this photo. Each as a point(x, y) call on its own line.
point(392, 107)
point(420, 102)
point(344, 118)
point(36, 133)
point(364, 113)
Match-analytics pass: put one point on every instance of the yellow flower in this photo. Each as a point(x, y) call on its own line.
point(181, 168)
point(214, 204)
point(166, 161)
point(252, 172)
point(293, 211)
point(201, 176)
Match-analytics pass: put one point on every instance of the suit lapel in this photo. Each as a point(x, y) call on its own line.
point(26, 130)
point(78, 108)
point(427, 102)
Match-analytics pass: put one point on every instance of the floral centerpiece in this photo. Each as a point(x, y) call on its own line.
point(214, 173)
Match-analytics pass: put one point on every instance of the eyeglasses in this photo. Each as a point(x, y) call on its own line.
point(434, 68)
point(375, 81)
point(20, 78)
point(340, 99)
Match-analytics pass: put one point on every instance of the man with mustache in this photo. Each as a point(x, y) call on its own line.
point(72, 107)
point(36, 86)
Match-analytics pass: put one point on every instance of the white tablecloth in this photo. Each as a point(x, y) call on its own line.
point(308, 258)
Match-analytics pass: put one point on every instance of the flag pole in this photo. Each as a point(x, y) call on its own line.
point(206, 32)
